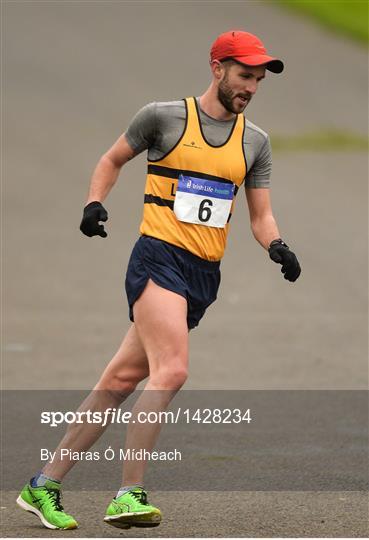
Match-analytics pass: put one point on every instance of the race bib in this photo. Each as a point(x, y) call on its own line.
point(204, 202)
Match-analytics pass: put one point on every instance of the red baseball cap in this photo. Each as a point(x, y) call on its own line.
point(245, 48)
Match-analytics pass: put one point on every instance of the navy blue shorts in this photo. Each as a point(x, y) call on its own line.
point(175, 269)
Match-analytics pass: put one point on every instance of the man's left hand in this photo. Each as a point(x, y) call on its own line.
point(280, 253)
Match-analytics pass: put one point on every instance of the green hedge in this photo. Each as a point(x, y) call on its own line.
point(349, 17)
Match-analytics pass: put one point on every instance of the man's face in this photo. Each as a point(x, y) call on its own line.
point(237, 86)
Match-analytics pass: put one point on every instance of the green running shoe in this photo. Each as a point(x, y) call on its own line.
point(44, 501)
point(132, 509)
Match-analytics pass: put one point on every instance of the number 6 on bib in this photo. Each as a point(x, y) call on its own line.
point(202, 201)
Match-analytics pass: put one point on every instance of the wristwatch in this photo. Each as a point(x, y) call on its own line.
point(277, 241)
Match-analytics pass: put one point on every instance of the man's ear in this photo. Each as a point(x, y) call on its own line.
point(217, 69)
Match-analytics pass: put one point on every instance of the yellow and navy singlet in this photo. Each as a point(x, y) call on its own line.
point(190, 192)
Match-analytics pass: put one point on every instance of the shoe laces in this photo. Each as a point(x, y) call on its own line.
point(54, 496)
point(140, 496)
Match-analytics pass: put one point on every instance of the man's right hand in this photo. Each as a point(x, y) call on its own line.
point(92, 214)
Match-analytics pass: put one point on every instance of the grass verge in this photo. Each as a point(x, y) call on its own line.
point(320, 141)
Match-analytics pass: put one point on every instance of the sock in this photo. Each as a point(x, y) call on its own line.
point(40, 480)
point(123, 489)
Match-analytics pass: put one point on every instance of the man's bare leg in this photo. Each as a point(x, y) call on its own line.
point(161, 323)
point(126, 369)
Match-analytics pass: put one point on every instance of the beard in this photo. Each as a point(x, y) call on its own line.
point(226, 97)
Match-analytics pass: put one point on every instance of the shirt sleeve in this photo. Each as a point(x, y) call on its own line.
point(141, 132)
point(260, 172)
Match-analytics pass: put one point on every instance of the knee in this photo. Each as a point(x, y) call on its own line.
point(119, 386)
point(169, 378)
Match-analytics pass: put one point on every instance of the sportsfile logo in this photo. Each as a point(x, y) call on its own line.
point(192, 145)
point(118, 416)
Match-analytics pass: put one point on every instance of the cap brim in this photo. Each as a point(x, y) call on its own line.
point(270, 63)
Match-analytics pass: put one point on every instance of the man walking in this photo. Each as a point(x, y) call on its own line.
point(200, 151)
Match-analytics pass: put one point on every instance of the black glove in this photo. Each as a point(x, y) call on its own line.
point(280, 253)
point(92, 214)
